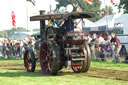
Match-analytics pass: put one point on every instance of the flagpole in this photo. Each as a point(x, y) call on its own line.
point(27, 17)
point(33, 2)
point(106, 14)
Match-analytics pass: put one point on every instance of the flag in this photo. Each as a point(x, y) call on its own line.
point(89, 1)
point(111, 1)
point(13, 19)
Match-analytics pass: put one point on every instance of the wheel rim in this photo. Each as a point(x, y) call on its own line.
point(88, 58)
point(46, 58)
point(78, 66)
point(28, 61)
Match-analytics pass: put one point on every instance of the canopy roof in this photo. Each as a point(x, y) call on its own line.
point(107, 21)
point(18, 36)
point(122, 19)
point(73, 15)
point(35, 34)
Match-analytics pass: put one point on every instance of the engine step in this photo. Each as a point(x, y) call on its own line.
point(75, 55)
point(77, 59)
point(75, 48)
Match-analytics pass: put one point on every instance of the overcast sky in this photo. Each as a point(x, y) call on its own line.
point(19, 8)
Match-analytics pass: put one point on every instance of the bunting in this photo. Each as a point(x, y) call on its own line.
point(89, 1)
point(111, 1)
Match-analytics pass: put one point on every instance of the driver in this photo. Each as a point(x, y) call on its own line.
point(68, 26)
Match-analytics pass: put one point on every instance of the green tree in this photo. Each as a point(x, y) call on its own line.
point(1, 33)
point(14, 30)
point(94, 7)
point(123, 4)
point(21, 29)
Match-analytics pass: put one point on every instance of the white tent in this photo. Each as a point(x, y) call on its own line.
point(123, 19)
point(105, 21)
point(86, 23)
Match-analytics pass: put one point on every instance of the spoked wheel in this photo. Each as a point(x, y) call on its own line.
point(88, 58)
point(49, 58)
point(79, 63)
point(29, 60)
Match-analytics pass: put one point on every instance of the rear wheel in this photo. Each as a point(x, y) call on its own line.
point(29, 60)
point(49, 58)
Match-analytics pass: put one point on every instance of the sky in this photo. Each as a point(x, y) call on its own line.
point(107, 2)
point(20, 9)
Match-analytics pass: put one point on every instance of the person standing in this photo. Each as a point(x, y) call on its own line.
point(101, 50)
point(4, 48)
point(94, 46)
point(116, 47)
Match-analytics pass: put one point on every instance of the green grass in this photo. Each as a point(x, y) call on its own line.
point(18, 76)
point(110, 65)
point(12, 77)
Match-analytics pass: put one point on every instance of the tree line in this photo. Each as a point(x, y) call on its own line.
point(6, 33)
point(94, 7)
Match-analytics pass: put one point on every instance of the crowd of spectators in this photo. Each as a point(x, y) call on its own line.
point(100, 47)
point(15, 48)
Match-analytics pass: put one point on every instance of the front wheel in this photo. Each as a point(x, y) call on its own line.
point(88, 57)
point(80, 62)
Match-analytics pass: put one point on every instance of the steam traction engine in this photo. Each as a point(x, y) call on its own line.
point(60, 45)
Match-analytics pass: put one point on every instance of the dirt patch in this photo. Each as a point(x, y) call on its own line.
point(7, 64)
point(108, 73)
point(11, 66)
point(100, 73)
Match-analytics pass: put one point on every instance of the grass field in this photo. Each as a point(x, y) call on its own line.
point(101, 73)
